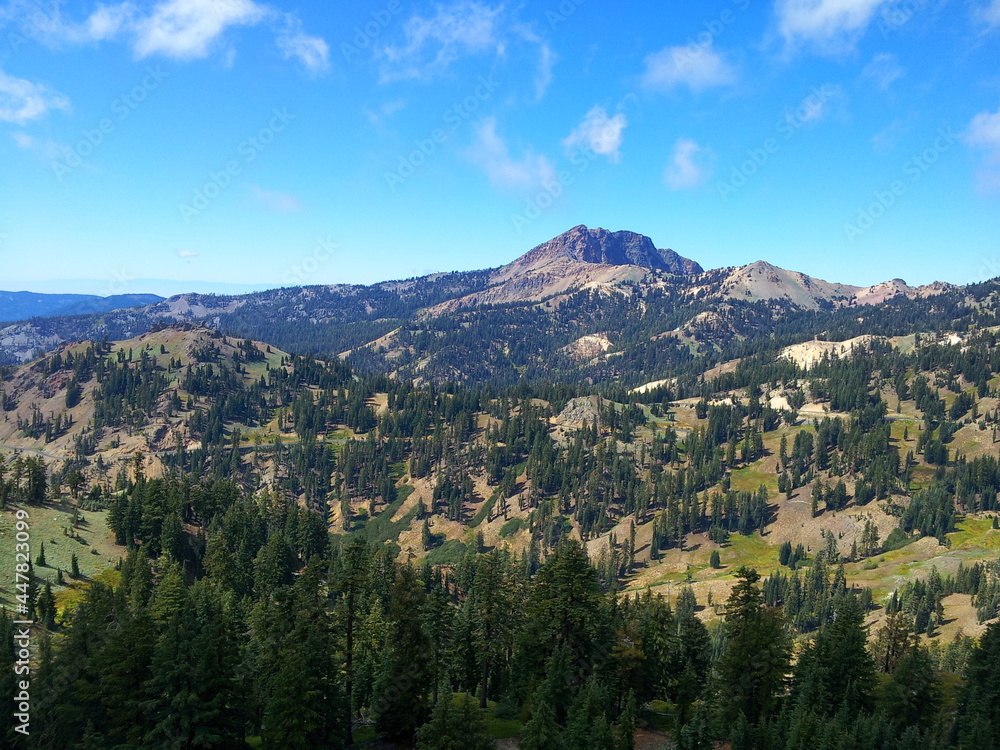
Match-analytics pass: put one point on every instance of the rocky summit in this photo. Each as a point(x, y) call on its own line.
point(621, 248)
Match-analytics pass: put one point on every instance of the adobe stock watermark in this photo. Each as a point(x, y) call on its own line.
point(913, 170)
point(303, 270)
point(580, 159)
point(786, 127)
point(248, 151)
point(22, 625)
point(900, 14)
point(551, 190)
point(121, 109)
point(36, 19)
point(365, 36)
point(557, 16)
point(117, 284)
point(453, 118)
point(989, 268)
point(713, 29)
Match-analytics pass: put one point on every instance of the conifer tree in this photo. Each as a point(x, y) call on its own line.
point(754, 668)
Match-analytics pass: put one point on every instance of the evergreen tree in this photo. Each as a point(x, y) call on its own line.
point(303, 705)
point(404, 679)
point(542, 732)
point(979, 702)
point(754, 668)
point(455, 727)
point(835, 672)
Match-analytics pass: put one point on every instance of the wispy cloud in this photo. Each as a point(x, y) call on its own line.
point(886, 139)
point(990, 14)
point(983, 134)
point(106, 22)
point(827, 25)
point(188, 28)
point(599, 133)
point(822, 102)
point(181, 29)
point(883, 70)
point(696, 66)
point(276, 201)
point(379, 115)
point(22, 101)
point(44, 148)
point(23, 140)
point(312, 51)
point(184, 253)
point(543, 74)
point(690, 165)
point(431, 44)
point(491, 152)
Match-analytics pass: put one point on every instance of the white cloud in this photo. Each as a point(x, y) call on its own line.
point(819, 104)
point(183, 29)
point(22, 101)
point(187, 28)
point(312, 51)
point(543, 75)
point(830, 25)
point(696, 66)
point(276, 201)
point(984, 133)
point(990, 14)
point(187, 253)
point(107, 21)
point(886, 139)
point(430, 45)
point(378, 117)
point(491, 152)
point(690, 165)
point(599, 133)
point(23, 140)
point(883, 70)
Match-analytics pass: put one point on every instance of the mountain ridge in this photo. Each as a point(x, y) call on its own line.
point(21, 305)
point(470, 325)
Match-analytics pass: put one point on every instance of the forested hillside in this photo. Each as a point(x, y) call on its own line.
point(587, 565)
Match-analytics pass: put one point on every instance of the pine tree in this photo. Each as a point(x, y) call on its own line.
point(835, 672)
point(303, 707)
point(404, 678)
point(451, 727)
point(542, 732)
point(913, 695)
point(587, 724)
point(124, 666)
point(784, 553)
point(47, 606)
point(625, 728)
point(979, 702)
point(755, 666)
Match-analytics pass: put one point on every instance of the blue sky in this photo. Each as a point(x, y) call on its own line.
point(273, 144)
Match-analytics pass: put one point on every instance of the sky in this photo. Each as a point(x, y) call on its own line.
point(235, 144)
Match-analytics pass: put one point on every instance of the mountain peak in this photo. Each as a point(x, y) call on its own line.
point(622, 248)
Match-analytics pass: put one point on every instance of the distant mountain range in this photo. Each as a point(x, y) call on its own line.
point(588, 305)
point(24, 305)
